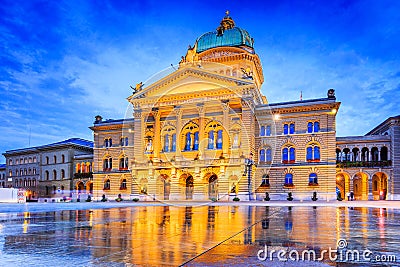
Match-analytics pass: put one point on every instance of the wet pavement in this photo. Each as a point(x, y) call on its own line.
point(108, 234)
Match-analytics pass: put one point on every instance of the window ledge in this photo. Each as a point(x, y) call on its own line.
point(288, 185)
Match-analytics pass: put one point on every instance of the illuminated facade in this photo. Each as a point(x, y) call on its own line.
point(205, 131)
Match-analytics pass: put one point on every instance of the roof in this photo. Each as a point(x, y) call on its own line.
point(297, 103)
point(382, 124)
point(230, 37)
point(72, 141)
point(3, 166)
point(112, 121)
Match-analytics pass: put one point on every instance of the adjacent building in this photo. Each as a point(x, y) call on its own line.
point(47, 171)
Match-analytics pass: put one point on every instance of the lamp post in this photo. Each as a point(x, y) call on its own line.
point(248, 164)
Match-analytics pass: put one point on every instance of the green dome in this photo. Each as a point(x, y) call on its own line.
point(230, 37)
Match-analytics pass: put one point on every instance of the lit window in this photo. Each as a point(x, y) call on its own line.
point(123, 184)
point(285, 155)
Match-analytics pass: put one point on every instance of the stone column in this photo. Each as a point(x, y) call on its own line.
point(202, 138)
point(139, 129)
point(178, 112)
point(157, 135)
point(225, 133)
point(379, 155)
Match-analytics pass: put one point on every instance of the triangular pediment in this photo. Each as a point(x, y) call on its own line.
point(189, 80)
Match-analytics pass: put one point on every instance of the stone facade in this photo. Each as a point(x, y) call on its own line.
point(3, 175)
point(196, 133)
point(369, 165)
point(46, 171)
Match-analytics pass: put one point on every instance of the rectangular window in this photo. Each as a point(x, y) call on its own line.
point(292, 128)
point(285, 129)
point(262, 131)
point(316, 127)
point(268, 131)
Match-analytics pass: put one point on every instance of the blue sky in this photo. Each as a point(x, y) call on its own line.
point(63, 62)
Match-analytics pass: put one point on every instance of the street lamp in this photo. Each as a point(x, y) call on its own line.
point(248, 164)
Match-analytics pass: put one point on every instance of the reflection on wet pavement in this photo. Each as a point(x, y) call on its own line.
point(193, 236)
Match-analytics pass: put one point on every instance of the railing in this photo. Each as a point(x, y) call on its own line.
point(365, 164)
point(80, 175)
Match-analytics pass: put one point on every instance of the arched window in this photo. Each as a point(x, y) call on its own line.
point(107, 184)
point(196, 141)
point(123, 163)
point(310, 127)
point(292, 128)
point(123, 184)
point(262, 155)
point(10, 162)
point(106, 142)
point(262, 131)
point(166, 143)
point(10, 173)
point(313, 179)
point(62, 174)
point(268, 155)
point(211, 139)
point(107, 164)
point(47, 175)
point(54, 189)
point(288, 179)
point(317, 155)
point(188, 142)
point(316, 127)
point(286, 129)
point(384, 153)
point(33, 182)
point(292, 155)
point(219, 139)
point(54, 175)
point(309, 156)
point(173, 146)
point(190, 132)
point(55, 159)
point(126, 141)
point(374, 154)
point(34, 171)
point(285, 155)
point(16, 183)
point(265, 180)
point(47, 160)
point(34, 159)
point(268, 130)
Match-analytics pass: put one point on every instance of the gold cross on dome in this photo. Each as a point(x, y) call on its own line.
point(227, 12)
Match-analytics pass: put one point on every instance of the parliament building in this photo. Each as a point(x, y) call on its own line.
point(205, 131)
